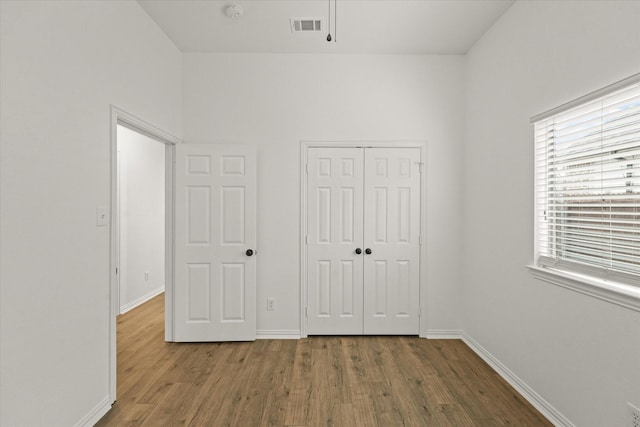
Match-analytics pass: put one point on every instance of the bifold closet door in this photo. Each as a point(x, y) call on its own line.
point(334, 233)
point(392, 236)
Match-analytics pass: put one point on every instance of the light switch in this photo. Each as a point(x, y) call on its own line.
point(101, 216)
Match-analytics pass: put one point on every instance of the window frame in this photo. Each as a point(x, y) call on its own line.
point(619, 288)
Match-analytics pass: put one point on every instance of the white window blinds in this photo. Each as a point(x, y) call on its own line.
point(588, 187)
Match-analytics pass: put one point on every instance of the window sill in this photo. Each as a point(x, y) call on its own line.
point(615, 293)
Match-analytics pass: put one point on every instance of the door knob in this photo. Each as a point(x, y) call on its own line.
point(249, 252)
point(367, 251)
point(358, 251)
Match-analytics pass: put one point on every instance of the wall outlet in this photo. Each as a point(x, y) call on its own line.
point(146, 276)
point(634, 415)
point(271, 304)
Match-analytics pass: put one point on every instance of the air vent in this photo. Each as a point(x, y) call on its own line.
point(305, 25)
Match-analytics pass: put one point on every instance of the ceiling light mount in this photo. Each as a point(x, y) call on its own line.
point(234, 11)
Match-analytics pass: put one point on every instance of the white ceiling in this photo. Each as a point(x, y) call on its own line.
point(364, 26)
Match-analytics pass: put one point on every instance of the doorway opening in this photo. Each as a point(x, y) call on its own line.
point(141, 155)
point(140, 218)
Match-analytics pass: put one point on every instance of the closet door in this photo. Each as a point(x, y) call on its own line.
point(391, 241)
point(334, 227)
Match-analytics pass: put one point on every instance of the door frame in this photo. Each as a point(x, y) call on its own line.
point(304, 156)
point(128, 120)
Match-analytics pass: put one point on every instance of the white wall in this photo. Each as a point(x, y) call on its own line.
point(580, 354)
point(275, 101)
point(62, 65)
point(142, 228)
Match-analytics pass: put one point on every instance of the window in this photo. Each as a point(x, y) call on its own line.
point(587, 156)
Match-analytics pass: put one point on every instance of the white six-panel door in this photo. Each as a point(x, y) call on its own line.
point(391, 234)
point(215, 226)
point(363, 200)
point(335, 203)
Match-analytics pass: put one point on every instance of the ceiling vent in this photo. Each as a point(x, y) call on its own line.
point(305, 25)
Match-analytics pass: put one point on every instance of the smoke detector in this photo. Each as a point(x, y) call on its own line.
point(234, 11)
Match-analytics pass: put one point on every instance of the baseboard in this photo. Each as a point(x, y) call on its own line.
point(551, 413)
point(95, 414)
point(278, 334)
point(141, 300)
point(444, 334)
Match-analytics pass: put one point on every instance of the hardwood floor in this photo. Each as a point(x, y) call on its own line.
point(318, 381)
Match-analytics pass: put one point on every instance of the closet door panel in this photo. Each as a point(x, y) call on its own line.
point(334, 225)
point(391, 233)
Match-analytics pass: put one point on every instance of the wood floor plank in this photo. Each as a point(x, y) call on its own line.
point(174, 407)
point(279, 385)
point(401, 370)
point(386, 410)
point(319, 381)
point(490, 389)
point(399, 376)
point(255, 389)
point(448, 371)
point(364, 410)
point(137, 415)
point(457, 416)
point(297, 412)
point(320, 402)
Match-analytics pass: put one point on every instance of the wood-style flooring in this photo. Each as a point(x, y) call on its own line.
point(318, 381)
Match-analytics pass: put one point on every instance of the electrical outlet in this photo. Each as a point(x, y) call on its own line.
point(271, 304)
point(146, 276)
point(634, 415)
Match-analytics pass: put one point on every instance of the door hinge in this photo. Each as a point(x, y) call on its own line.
point(116, 271)
point(420, 240)
point(306, 312)
point(420, 166)
point(306, 240)
point(306, 168)
point(420, 312)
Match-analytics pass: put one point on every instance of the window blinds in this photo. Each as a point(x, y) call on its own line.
point(588, 187)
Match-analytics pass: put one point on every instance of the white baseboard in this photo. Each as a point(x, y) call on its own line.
point(551, 413)
point(139, 301)
point(444, 334)
point(278, 334)
point(95, 414)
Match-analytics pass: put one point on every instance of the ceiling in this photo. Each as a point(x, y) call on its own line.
point(363, 26)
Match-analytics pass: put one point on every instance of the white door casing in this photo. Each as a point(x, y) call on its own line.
point(215, 226)
point(366, 198)
point(335, 203)
point(392, 233)
point(121, 117)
